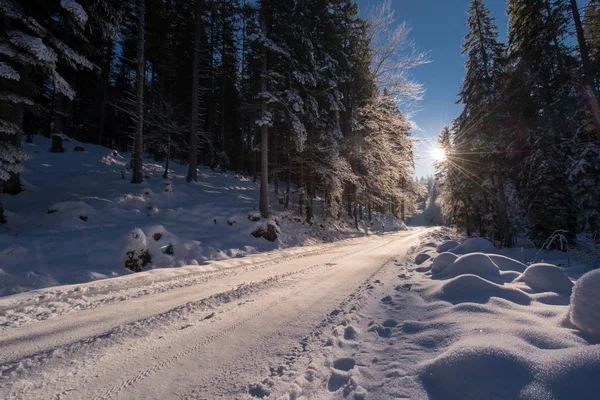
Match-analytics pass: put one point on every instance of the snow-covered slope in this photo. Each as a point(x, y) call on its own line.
point(78, 215)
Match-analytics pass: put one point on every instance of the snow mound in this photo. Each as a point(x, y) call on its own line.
point(585, 303)
point(474, 245)
point(444, 247)
point(546, 278)
point(476, 263)
point(476, 372)
point(442, 261)
point(474, 289)
point(421, 258)
point(69, 215)
point(507, 264)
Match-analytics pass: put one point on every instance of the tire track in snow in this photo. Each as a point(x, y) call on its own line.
point(141, 375)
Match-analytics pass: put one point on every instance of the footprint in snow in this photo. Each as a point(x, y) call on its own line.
point(344, 364)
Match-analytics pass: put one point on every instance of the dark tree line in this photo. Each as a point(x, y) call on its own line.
point(525, 152)
point(301, 93)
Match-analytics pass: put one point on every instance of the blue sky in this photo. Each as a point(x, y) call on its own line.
point(438, 28)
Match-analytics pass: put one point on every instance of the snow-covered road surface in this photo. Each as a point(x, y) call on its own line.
point(211, 339)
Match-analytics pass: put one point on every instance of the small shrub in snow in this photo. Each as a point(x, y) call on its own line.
point(137, 255)
point(270, 231)
point(546, 278)
point(585, 303)
point(136, 262)
point(442, 261)
point(79, 148)
point(446, 246)
point(157, 236)
point(169, 249)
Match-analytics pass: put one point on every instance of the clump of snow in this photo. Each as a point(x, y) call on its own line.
point(442, 261)
point(447, 246)
point(546, 278)
point(474, 245)
point(475, 289)
point(421, 258)
point(585, 303)
point(477, 372)
point(476, 263)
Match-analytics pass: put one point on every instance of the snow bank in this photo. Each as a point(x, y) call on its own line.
point(442, 261)
point(585, 304)
point(546, 278)
point(474, 245)
point(475, 289)
point(477, 372)
point(476, 263)
point(446, 246)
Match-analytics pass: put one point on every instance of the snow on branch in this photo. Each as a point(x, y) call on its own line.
point(8, 9)
point(62, 86)
point(7, 72)
point(74, 59)
point(9, 128)
point(15, 98)
point(76, 11)
point(33, 45)
point(10, 157)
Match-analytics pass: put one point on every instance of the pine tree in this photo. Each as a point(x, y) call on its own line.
point(34, 38)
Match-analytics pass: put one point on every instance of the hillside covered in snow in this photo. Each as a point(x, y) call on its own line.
point(78, 219)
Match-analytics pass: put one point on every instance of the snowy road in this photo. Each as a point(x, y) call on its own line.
point(211, 339)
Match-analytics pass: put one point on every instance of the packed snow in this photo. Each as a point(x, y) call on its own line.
point(79, 219)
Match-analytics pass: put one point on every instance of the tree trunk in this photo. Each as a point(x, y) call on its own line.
point(166, 174)
point(2, 216)
point(193, 150)
point(588, 75)
point(309, 201)
point(138, 175)
point(287, 191)
point(264, 133)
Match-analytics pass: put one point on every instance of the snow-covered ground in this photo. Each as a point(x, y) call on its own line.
point(410, 315)
point(480, 325)
point(77, 218)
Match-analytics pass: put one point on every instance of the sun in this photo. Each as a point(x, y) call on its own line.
point(438, 154)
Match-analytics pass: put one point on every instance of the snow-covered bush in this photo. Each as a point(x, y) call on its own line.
point(546, 278)
point(269, 231)
point(137, 255)
point(585, 303)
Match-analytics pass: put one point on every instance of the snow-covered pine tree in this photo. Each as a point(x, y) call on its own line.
point(545, 70)
point(33, 40)
point(477, 143)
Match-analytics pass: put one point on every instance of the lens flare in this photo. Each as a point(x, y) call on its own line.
point(438, 154)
